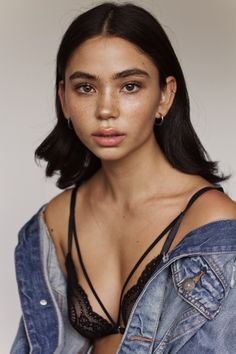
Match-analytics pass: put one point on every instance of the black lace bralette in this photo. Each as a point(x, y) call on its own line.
point(81, 315)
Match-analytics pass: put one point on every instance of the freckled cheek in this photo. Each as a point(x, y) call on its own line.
point(139, 109)
point(80, 112)
point(76, 108)
point(83, 132)
point(81, 119)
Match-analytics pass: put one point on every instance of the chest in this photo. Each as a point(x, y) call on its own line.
point(112, 243)
point(109, 250)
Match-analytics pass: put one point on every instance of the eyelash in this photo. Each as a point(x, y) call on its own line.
point(78, 87)
point(83, 85)
point(133, 83)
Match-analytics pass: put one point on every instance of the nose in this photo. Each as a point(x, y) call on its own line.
point(107, 105)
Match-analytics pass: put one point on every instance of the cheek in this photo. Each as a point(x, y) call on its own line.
point(81, 121)
point(82, 133)
point(82, 127)
point(72, 105)
point(145, 101)
point(79, 113)
point(140, 109)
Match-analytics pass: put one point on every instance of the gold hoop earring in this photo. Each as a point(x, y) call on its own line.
point(159, 120)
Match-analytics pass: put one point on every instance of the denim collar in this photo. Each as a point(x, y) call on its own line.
point(212, 238)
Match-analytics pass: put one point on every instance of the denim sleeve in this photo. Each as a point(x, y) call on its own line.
point(20, 344)
point(217, 336)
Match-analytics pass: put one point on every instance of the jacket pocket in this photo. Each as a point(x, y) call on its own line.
point(199, 281)
point(201, 284)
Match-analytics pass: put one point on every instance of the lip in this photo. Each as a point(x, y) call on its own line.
point(107, 132)
point(108, 137)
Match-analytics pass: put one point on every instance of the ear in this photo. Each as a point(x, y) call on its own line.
point(61, 94)
point(167, 96)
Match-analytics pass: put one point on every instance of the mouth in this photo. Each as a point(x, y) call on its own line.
point(108, 137)
point(107, 133)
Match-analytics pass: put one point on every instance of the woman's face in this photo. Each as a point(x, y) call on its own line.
point(111, 94)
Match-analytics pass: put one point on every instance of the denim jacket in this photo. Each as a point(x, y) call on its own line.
point(187, 306)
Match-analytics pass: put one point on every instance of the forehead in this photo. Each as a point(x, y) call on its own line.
point(109, 55)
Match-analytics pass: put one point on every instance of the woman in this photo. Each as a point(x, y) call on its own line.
point(138, 254)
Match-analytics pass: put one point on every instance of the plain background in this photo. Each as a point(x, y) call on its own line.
point(203, 34)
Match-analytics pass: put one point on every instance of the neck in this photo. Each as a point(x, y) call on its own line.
point(139, 177)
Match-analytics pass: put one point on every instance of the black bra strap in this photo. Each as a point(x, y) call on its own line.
point(174, 230)
point(72, 233)
point(148, 250)
point(71, 218)
point(200, 192)
point(173, 227)
point(171, 235)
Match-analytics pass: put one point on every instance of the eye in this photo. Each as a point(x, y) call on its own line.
point(85, 88)
point(131, 87)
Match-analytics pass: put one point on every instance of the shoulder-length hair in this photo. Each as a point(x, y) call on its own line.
point(67, 156)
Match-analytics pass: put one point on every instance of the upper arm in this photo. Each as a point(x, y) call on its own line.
point(56, 216)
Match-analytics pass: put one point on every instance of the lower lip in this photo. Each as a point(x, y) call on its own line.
point(113, 140)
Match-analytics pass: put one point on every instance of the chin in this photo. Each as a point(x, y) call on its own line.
point(110, 155)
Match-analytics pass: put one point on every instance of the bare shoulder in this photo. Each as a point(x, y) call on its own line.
point(56, 215)
point(209, 207)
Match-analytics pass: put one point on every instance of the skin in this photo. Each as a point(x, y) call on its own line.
point(128, 104)
point(136, 194)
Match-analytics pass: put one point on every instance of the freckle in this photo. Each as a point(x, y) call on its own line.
point(51, 230)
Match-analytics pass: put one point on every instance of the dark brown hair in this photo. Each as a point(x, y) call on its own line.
point(66, 154)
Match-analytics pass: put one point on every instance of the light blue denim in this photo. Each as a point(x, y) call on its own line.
point(187, 307)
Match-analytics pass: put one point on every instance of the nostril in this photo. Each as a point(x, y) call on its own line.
point(107, 108)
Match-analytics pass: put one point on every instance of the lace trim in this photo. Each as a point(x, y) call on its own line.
point(81, 315)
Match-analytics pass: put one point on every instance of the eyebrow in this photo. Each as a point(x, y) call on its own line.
point(122, 74)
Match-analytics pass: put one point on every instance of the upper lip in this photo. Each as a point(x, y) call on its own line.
point(107, 132)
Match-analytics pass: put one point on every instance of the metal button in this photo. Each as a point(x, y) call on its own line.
point(188, 284)
point(43, 302)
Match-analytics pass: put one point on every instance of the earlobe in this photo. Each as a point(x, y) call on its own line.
point(61, 94)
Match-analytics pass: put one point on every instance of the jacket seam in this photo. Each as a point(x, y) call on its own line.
point(217, 271)
point(44, 266)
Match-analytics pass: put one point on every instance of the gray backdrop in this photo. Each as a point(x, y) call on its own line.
point(203, 34)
